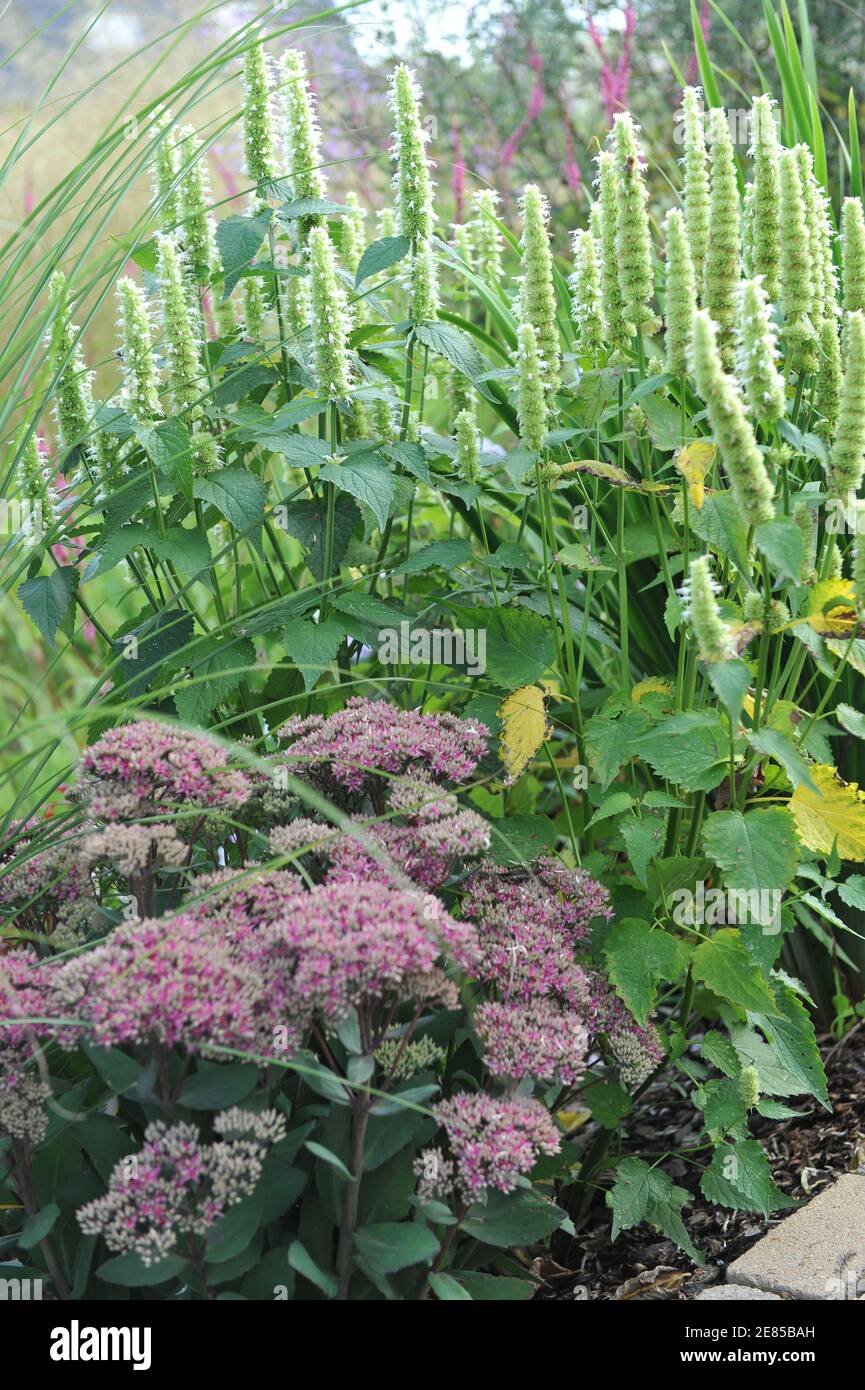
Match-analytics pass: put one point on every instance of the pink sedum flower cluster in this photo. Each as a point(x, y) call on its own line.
point(493, 1142)
point(539, 1040)
point(149, 768)
point(371, 736)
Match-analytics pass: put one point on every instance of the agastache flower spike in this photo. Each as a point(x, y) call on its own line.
point(140, 391)
point(633, 241)
point(166, 172)
point(258, 155)
point(827, 385)
point(585, 284)
point(300, 133)
point(532, 404)
point(847, 460)
point(797, 290)
point(424, 284)
point(604, 226)
point(680, 294)
point(537, 298)
point(853, 254)
point(385, 222)
point(330, 321)
point(253, 308)
point(181, 337)
point(696, 189)
point(743, 461)
point(757, 355)
point(487, 240)
point(468, 447)
point(723, 254)
point(199, 228)
point(37, 486)
point(702, 612)
point(819, 235)
point(412, 180)
point(73, 398)
point(764, 202)
point(352, 241)
point(859, 576)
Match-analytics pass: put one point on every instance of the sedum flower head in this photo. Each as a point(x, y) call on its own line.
point(468, 447)
point(765, 196)
point(181, 329)
point(731, 428)
point(797, 286)
point(140, 391)
point(330, 320)
point(633, 241)
point(301, 136)
point(149, 769)
point(414, 188)
point(702, 613)
point(259, 162)
point(680, 292)
point(538, 1039)
point(493, 1141)
point(424, 284)
point(696, 189)
point(723, 254)
point(487, 241)
point(757, 355)
point(604, 227)
point(585, 283)
point(847, 459)
point(532, 400)
point(537, 297)
point(199, 227)
point(853, 254)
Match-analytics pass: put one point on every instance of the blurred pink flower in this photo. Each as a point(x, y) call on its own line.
point(615, 81)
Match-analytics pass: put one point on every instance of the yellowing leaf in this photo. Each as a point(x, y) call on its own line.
point(694, 463)
point(832, 607)
point(609, 471)
point(524, 729)
point(834, 814)
point(652, 685)
point(572, 1119)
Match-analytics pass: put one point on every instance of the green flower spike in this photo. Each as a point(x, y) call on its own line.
point(696, 188)
point(36, 486)
point(585, 284)
point(680, 293)
point(764, 197)
point(757, 355)
point(414, 188)
point(259, 163)
point(73, 395)
point(198, 231)
point(165, 172)
point(301, 137)
point(743, 461)
point(633, 241)
point(723, 255)
point(424, 284)
point(537, 298)
point(797, 286)
point(182, 341)
point(847, 459)
point(140, 390)
point(532, 400)
point(702, 614)
point(468, 447)
point(827, 385)
point(330, 320)
point(604, 217)
point(487, 240)
point(853, 255)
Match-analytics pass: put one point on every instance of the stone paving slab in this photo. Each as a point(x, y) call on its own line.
point(817, 1253)
point(738, 1293)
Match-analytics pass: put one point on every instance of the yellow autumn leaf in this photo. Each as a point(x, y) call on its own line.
point(832, 607)
point(832, 815)
point(524, 728)
point(651, 686)
point(694, 462)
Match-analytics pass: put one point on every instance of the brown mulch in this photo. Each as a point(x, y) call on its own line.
point(806, 1155)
